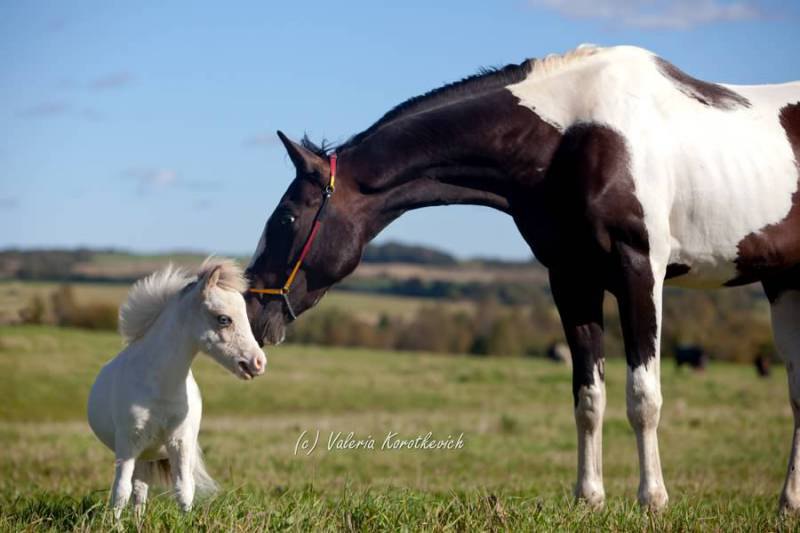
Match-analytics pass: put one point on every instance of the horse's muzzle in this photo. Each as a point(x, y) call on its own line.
point(267, 321)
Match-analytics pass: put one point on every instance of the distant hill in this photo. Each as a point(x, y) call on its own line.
point(393, 260)
point(395, 252)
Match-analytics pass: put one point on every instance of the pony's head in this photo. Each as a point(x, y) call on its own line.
point(221, 326)
point(326, 227)
point(208, 307)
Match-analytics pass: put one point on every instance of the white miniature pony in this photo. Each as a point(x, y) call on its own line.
point(145, 404)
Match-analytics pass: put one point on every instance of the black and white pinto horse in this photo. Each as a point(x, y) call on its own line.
point(620, 171)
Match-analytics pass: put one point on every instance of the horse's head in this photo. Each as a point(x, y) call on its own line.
point(222, 328)
point(312, 240)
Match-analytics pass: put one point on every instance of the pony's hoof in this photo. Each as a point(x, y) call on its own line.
point(789, 506)
point(653, 500)
point(591, 496)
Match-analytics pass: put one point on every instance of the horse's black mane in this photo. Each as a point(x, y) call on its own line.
point(322, 149)
point(487, 78)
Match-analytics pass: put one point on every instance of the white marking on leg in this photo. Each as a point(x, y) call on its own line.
point(785, 321)
point(643, 395)
point(644, 412)
point(589, 421)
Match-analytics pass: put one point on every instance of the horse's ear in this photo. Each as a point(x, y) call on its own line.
point(211, 279)
point(305, 161)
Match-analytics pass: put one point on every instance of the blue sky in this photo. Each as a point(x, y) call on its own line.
point(150, 125)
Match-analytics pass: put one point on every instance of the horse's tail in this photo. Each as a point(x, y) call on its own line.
point(204, 485)
point(159, 472)
point(156, 472)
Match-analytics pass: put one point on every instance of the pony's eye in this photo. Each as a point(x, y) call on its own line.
point(224, 320)
point(288, 219)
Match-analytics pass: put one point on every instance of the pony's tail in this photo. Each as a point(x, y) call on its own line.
point(204, 485)
point(156, 472)
point(159, 472)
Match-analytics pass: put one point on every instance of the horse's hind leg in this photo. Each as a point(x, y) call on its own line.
point(580, 304)
point(785, 310)
point(181, 450)
point(141, 479)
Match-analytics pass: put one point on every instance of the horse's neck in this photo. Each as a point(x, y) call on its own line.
point(167, 350)
point(475, 152)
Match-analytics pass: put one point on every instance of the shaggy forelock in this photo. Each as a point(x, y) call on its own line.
point(231, 275)
point(150, 295)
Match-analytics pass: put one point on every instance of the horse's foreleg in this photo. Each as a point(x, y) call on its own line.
point(580, 304)
point(785, 309)
point(638, 288)
point(181, 450)
point(121, 490)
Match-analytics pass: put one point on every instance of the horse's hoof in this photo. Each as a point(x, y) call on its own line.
point(789, 506)
point(591, 496)
point(653, 500)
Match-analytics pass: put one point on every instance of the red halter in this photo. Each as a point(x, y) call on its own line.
point(327, 192)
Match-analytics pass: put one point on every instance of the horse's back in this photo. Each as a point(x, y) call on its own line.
point(713, 165)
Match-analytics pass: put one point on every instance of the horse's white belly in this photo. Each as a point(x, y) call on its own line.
point(731, 178)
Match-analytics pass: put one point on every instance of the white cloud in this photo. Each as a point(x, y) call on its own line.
point(261, 140)
point(59, 108)
point(46, 109)
point(115, 80)
point(655, 14)
point(152, 178)
point(8, 202)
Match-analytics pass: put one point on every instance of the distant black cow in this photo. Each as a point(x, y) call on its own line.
point(694, 356)
point(763, 363)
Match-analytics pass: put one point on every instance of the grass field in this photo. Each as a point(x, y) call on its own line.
point(724, 441)
point(15, 295)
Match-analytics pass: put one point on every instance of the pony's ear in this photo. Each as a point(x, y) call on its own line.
point(211, 279)
point(305, 161)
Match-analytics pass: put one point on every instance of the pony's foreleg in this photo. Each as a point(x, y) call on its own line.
point(785, 310)
point(580, 304)
point(638, 288)
point(141, 478)
point(121, 490)
point(181, 450)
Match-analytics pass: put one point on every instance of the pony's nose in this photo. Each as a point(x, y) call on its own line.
point(259, 363)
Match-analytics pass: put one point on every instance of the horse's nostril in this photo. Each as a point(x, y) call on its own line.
point(258, 363)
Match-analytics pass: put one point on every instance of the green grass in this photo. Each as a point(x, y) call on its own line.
point(724, 438)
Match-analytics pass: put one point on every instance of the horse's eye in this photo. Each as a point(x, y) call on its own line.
point(224, 320)
point(288, 219)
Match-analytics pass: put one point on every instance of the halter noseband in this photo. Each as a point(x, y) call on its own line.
point(327, 192)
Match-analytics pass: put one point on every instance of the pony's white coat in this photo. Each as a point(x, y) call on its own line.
point(706, 178)
point(145, 404)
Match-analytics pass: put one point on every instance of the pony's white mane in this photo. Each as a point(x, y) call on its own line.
point(554, 62)
point(150, 295)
